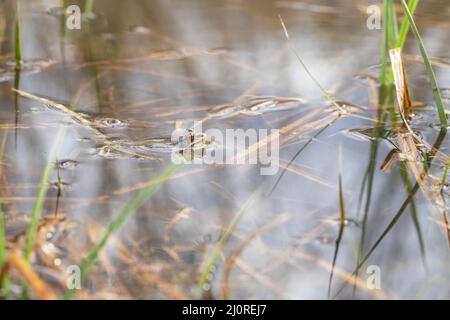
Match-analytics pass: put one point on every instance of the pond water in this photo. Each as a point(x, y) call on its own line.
point(136, 70)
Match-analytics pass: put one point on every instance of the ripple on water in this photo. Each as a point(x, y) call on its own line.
point(110, 123)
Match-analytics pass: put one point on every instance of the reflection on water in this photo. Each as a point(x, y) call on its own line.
point(139, 69)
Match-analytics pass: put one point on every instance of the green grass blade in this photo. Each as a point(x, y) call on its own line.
point(444, 176)
point(389, 36)
point(119, 220)
point(385, 45)
point(393, 25)
point(305, 67)
point(88, 7)
point(404, 28)
point(340, 234)
point(40, 197)
point(431, 75)
point(17, 47)
point(403, 33)
point(223, 239)
point(370, 180)
point(325, 93)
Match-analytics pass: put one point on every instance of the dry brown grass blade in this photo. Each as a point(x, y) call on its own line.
point(401, 85)
point(437, 62)
point(181, 215)
point(388, 162)
point(429, 184)
point(441, 224)
point(408, 142)
point(297, 125)
point(17, 263)
point(63, 109)
point(308, 176)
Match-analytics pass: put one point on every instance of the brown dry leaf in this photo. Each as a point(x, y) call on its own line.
point(407, 141)
point(401, 85)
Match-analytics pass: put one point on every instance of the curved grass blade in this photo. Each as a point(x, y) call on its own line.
point(326, 94)
point(430, 71)
point(310, 140)
point(115, 225)
point(317, 83)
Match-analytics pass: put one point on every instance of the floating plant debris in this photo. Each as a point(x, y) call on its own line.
point(110, 123)
point(254, 106)
point(370, 133)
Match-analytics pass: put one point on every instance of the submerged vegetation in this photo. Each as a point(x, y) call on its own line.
point(169, 233)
